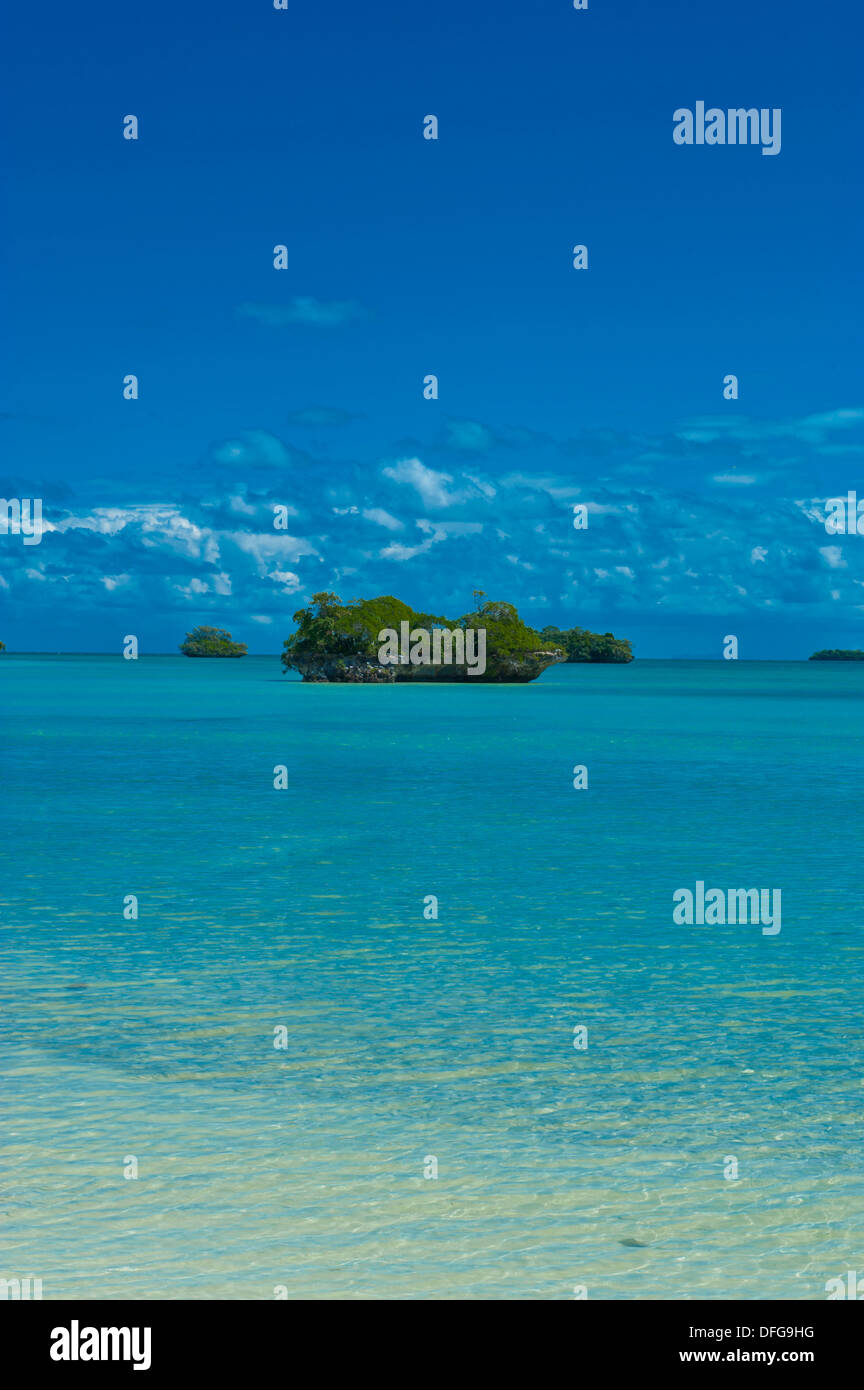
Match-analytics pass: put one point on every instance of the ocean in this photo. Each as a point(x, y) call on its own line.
point(328, 1091)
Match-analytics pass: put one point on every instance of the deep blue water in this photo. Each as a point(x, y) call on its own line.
point(408, 1038)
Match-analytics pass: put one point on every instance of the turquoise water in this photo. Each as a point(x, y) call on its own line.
point(303, 1166)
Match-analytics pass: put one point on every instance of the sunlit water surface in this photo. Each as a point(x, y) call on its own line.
point(408, 1038)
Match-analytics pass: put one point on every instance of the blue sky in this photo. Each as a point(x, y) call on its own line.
point(407, 257)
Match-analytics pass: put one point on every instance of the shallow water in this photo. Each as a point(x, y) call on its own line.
point(303, 1166)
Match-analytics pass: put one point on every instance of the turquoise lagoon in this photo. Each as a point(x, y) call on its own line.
point(303, 1167)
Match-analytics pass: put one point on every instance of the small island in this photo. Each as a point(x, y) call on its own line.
point(582, 645)
point(837, 655)
point(211, 641)
point(2, 646)
point(384, 640)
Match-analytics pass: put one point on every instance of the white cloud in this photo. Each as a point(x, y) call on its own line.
point(382, 518)
point(833, 556)
point(287, 578)
point(431, 485)
point(267, 546)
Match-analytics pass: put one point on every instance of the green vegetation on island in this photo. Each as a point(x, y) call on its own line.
point(582, 645)
point(2, 646)
point(337, 641)
point(838, 655)
point(211, 641)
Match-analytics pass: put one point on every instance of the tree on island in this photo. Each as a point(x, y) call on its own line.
point(333, 629)
point(582, 645)
point(211, 641)
point(838, 655)
point(2, 646)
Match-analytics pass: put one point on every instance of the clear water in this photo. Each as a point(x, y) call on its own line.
point(303, 1167)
